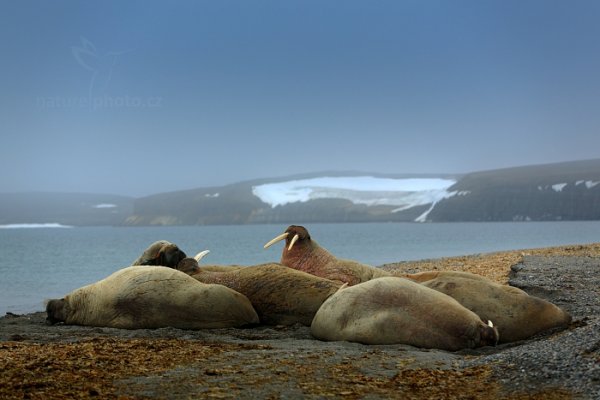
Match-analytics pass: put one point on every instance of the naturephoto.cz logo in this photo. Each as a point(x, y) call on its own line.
point(100, 67)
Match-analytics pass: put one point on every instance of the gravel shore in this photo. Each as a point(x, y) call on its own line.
point(41, 361)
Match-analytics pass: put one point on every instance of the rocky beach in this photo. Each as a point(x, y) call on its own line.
point(45, 362)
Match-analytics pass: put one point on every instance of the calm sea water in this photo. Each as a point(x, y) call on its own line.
point(44, 263)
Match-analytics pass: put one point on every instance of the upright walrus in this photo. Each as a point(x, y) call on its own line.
point(280, 295)
point(161, 252)
point(152, 297)
point(398, 311)
point(516, 314)
point(304, 254)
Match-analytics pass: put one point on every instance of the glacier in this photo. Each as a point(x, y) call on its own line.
point(371, 191)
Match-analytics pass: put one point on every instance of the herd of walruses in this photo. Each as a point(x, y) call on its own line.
point(339, 299)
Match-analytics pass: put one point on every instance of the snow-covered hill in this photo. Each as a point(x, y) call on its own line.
point(403, 194)
point(562, 191)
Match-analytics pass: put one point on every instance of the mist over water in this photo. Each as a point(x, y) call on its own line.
point(44, 263)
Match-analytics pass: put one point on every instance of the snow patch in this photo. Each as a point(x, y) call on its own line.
point(211, 195)
point(559, 187)
point(588, 184)
point(368, 190)
point(30, 226)
point(105, 205)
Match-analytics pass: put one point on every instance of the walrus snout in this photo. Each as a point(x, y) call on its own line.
point(489, 335)
point(56, 311)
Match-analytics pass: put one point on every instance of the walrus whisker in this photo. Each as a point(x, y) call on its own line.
point(275, 240)
point(294, 240)
point(200, 255)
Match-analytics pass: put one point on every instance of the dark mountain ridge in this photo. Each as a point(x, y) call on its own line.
point(551, 192)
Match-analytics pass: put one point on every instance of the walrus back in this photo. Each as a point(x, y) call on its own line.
point(516, 314)
point(280, 295)
point(155, 297)
point(393, 310)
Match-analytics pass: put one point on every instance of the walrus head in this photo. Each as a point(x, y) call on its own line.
point(294, 234)
point(488, 335)
point(163, 253)
point(188, 266)
point(56, 311)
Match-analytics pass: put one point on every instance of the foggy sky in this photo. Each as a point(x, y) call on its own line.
point(137, 98)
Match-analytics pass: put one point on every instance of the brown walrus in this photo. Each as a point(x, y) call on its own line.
point(162, 253)
point(152, 297)
point(214, 267)
point(280, 295)
point(304, 254)
point(516, 314)
point(398, 311)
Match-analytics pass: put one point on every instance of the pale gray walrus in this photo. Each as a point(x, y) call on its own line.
point(395, 310)
point(152, 297)
point(280, 295)
point(161, 252)
point(516, 314)
point(304, 254)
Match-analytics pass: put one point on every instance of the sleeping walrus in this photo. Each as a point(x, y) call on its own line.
point(398, 311)
point(304, 254)
point(280, 295)
point(161, 252)
point(516, 314)
point(152, 297)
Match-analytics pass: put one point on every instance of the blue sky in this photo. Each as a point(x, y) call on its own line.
point(141, 97)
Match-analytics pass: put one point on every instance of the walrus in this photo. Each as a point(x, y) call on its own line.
point(429, 275)
point(280, 295)
point(152, 297)
point(517, 315)
point(393, 310)
point(304, 254)
point(214, 267)
point(162, 253)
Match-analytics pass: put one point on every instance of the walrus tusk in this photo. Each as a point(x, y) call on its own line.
point(294, 240)
point(490, 324)
point(275, 240)
point(199, 256)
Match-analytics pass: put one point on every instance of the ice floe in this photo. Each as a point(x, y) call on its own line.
point(29, 226)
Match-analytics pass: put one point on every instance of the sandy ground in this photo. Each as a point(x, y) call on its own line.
point(45, 362)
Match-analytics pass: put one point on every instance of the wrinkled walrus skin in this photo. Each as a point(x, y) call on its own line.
point(304, 254)
point(280, 295)
point(398, 311)
point(163, 253)
point(516, 314)
point(152, 297)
